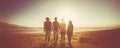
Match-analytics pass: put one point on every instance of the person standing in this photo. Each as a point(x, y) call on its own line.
point(70, 31)
point(62, 30)
point(47, 29)
point(55, 30)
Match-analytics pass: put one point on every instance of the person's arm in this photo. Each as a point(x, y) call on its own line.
point(72, 29)
point(44, 27)
point(59, 27)
point(65, 28)
point(51, 26)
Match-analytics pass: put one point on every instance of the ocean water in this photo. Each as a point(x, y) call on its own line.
point(87, 29)
point(40, 30)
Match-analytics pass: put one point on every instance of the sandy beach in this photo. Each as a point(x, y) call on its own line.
point(95, 39)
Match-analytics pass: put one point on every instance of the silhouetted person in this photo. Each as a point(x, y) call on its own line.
point(47, 29)
point(70, 31)
point(62, 30)
point(55, 30)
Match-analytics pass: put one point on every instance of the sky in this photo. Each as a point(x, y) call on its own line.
point(83, 13)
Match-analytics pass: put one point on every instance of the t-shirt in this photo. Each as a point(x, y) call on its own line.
point(62, 27)
point(55, 26)
point(47, 26)
point(70, 28)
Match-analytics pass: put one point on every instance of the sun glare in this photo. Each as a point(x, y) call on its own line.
point(67, 14)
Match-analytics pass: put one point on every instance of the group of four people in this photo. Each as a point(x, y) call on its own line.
point(57, 27)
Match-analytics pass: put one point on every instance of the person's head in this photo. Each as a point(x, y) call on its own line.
point(47, 18)
point(62, 20)
point(70, 22)
point(55, 18)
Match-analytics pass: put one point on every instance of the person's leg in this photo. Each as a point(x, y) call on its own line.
point(63, 36)
point(56, 38)
point(45, 37)
point(69, 38)
point(54, 35)
point(49, 36)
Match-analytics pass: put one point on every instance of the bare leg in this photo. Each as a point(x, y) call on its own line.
point(49, 37)
point(54, 36)
point(64, 36)
point(69, 38)
point(45, 37)
point(61, 37)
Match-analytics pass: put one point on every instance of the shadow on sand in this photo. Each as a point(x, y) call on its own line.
point(44, 45)
point(70, 45)
point(62, 45)
point(55, 45)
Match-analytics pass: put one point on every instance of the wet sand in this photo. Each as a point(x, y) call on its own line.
point(95, 39)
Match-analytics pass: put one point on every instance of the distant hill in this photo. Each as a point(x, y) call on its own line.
point(7, 26)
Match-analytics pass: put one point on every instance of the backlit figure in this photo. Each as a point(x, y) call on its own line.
point(62, 30)
point(47, 29)
point(70, 31)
